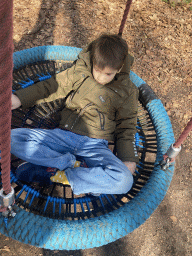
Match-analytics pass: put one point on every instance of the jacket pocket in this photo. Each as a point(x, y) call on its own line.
point(98, 119)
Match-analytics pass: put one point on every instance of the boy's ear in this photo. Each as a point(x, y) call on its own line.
point(120, 69)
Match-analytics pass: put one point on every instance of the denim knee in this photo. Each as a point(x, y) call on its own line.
point(125, 183)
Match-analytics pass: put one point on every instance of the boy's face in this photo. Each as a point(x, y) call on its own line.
point(104, 76)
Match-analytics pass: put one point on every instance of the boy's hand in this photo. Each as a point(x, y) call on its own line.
point(111, 147)
point(16, 103)
point(131, 166)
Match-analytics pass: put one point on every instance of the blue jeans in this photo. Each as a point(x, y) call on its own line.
point(60, 149)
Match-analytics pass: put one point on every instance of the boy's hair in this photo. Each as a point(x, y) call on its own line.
point(108, 51)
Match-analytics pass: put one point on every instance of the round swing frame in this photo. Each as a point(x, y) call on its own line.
point(65, 234)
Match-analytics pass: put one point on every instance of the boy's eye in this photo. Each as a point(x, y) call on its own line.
point(109, 74)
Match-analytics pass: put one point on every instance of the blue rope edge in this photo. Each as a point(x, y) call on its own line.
point(40, 53)
point(82, 234)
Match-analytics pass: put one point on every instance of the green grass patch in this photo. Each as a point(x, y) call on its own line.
point(187, 1)
point(174, 2)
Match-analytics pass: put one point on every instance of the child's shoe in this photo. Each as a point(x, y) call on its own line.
point(60, 176)
point(29, 173)
point(77, 164)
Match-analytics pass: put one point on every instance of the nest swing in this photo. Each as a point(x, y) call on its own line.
point(54, 218)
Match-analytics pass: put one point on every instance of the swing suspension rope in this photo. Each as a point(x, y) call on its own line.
point(6, 77)
point(183, 135)
point(127, 8)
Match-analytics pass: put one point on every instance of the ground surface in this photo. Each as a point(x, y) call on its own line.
point(160, 38)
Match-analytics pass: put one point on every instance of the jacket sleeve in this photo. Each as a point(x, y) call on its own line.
point(126, 120)
point(58, 86)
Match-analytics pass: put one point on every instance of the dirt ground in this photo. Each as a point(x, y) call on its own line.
point(159, 34)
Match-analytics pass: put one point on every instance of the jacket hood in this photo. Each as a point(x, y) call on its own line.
point(84, 56)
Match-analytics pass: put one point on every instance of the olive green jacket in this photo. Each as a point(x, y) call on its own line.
point(98, 111)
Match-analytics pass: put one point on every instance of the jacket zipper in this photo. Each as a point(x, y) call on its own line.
point(102, 119)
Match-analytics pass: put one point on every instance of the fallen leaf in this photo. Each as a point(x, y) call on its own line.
point(173, 218)
point(6, 248)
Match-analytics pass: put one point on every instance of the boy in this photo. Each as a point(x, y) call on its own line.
point(100, 107)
